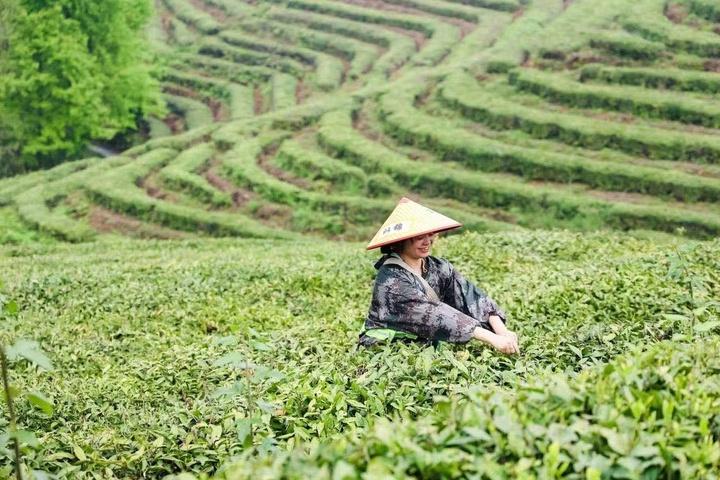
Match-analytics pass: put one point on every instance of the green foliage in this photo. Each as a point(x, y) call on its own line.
point(240, 165)
point(14, 232)
point(671, 79)
point(284, 87)
point(463, 93)
point(188, 13)
point(140, 328)
point(520, 37)
point(196, 113)
point(443, 35)
point(182, 174)
point(635, 417)
point(316, 166)
point(623, 44)
point(118, 190)
point(399, 47)
point(706, 8)
point(557, 88)
point(74, 72)
point(646, 18)
point(452, 143)
point(22, 441)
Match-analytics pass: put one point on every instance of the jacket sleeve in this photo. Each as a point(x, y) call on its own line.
point(466, 297)
point(405, 307)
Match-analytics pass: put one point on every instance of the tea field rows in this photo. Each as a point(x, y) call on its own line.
point(200, 294)
point(150, 340)
point(307, 117)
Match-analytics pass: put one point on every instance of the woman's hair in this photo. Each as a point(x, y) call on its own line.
point(396, 247)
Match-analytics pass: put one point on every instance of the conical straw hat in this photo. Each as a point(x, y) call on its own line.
point(410, 219)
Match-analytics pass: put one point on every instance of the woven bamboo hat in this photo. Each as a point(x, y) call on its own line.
point(410, 219)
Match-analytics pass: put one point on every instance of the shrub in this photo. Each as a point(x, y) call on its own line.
point(639, 101)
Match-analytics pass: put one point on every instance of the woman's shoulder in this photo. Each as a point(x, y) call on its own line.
point(439, 262)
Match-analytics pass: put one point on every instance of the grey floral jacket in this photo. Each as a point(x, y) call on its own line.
point(399, 303)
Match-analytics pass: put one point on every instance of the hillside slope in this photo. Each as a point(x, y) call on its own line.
point(294, 117)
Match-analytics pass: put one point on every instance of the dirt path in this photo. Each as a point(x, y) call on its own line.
point(259, 101)
point(107, 221)
point(214, 12)
point(464, 26)
point(239, 196)
point(264, 162)
point(154, 190)
point(302, 91)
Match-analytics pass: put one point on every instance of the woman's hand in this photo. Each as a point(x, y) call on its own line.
point(511, 334)
point(501, 330)
point(506, 344)
point(502, 343)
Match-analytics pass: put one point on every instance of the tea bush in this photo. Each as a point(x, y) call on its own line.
point(136, 330)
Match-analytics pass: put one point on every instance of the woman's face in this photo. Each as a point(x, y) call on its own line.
point(420, 246)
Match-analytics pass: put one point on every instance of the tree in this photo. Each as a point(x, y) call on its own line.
point(75, 70)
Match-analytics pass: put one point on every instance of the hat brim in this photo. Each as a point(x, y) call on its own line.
point(417, 234)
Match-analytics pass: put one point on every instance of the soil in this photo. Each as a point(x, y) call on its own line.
point(166, 22)
point(107, 221)
point(214, 12)
point(240, 196)
point(362, 124)
point(676, 13)
point(302, 91)
point(181, 91)
point(263, 162)
point(627, 197)
point(518, 13)
point(175, 123)
point(219, 110)
point(418, 37)
point(259, 105)
point(567, 3)
point(154, 190)
point(464, 26)
point(268, 211)
point(712, 66)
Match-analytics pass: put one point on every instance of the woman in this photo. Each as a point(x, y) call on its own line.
point(419, 296)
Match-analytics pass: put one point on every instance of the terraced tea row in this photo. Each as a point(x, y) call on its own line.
point(308, 116)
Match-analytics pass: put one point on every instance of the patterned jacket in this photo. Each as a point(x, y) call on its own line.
point(399, 303)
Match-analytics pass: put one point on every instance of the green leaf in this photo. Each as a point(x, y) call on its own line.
point(676, 317)
point(40, 475)
point(11, 307)
point(343, 471)
point(79, 453)
point(30, 350)
point(226, 340)
point(41, 402)
point(235, 360)
point(260, 346)
point(242, 427)
point(576, 351)
point(707, 326)
point(618, 442)
point(25, 437)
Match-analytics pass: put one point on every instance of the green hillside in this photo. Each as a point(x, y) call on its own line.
point(313, 117)
point(200, 294)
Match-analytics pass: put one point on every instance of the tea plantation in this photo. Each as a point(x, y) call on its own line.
point(200, 294)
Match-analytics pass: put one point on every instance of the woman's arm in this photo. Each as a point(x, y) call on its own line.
point(502, 343)
point(473, 301)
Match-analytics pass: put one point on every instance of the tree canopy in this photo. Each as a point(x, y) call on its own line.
point(73, 70)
